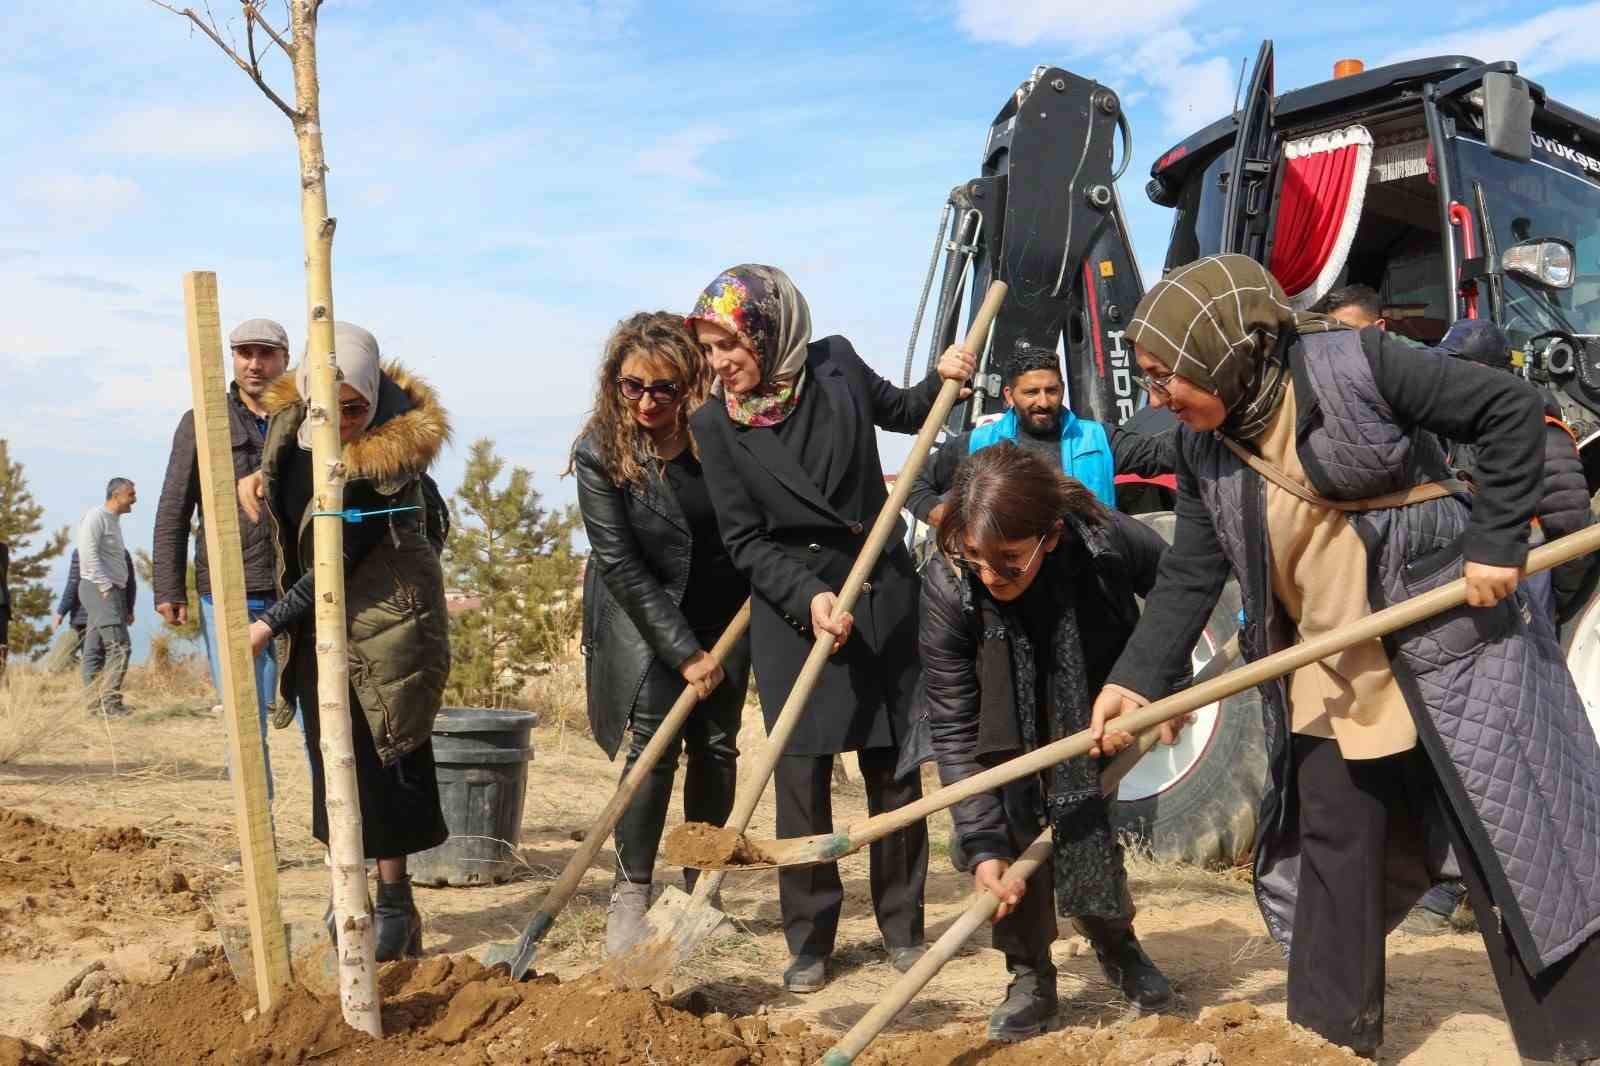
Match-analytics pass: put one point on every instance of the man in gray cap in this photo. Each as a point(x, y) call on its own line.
point(260, 356)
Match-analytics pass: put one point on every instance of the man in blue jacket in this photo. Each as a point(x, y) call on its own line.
point(1039, 420)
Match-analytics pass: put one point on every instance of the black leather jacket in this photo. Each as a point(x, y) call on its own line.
point(639, 555)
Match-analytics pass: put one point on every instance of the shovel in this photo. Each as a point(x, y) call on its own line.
point(829, 847)
point(984, 904)
point(566, 886)
point(678, 922)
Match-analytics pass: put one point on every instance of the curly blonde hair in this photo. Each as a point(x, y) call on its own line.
point(626, 450)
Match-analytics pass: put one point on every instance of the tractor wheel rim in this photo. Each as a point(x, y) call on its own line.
point(1164, 768)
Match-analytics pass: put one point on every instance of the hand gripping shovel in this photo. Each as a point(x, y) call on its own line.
point(984, 904)
point(677, 923)
point(566, 886)
point(829, 847)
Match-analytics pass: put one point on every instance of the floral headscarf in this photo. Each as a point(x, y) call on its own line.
point(761, 306)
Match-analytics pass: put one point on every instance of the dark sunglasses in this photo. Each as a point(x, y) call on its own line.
point(660, 391)
point(353, 408)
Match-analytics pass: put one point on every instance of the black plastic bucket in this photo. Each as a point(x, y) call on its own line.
point(482, 756)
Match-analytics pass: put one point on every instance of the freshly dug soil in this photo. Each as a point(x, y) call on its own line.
point(449, 1009)
point(60, 886)
point(708, 847)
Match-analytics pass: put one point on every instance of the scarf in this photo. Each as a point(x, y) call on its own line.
point(1223, 324)
point(762, 307)
point(357, 354)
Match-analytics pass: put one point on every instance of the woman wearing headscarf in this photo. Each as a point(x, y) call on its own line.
point(658, 591)
point(791, 462)
point(392, 428)
point(1310, 468)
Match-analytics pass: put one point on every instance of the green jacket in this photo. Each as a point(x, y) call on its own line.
point(399, 635)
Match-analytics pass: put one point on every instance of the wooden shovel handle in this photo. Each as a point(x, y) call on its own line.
point(567, 884)
point(1268, 668)
point(882, 530)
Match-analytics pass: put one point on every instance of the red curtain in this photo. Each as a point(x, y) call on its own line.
point(1319, 206)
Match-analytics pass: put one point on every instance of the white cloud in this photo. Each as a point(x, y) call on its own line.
point(199, 133)
point(1551, 41)
point(679, 156)
point(81, 201)
point(1073, 24)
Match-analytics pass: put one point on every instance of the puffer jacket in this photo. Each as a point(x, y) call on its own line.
point(1496, 712)
point(399, 637)
point(978, 671)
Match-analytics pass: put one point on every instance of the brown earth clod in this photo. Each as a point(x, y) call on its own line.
point(708, 847)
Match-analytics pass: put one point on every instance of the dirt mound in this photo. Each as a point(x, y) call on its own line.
point(59, 886)
point(1234, 1034)
point(451, 1009)
point(437, 1010)
point(707, 847)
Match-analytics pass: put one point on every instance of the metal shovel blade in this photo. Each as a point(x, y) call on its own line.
point(676, 925)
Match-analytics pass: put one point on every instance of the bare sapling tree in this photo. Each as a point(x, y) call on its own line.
point(358, 987)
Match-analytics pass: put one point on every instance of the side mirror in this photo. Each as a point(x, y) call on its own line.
point(1546, 261)
point(1508, 116)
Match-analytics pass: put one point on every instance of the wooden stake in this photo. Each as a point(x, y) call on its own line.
point(214, 443)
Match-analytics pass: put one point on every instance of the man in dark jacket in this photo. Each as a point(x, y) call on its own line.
point(1038, 420)
point(260, 356)
point(71, 608)
point(1025, 608)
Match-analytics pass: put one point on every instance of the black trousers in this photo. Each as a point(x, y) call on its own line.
point(1347, 813)
point(1026, 935)
point(711, 735)
point(811, 896)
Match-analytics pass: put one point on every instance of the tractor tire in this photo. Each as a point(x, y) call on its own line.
point(1197, 802)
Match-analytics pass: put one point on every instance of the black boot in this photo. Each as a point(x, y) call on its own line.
point(1124, 962)
point(398, 923)
point(1030, 1004)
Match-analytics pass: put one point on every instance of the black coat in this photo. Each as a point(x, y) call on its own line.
point(965, 640)
point(634, 634)
point(793, 539)
point(180, 502)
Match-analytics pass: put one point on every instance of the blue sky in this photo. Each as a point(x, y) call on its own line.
point(512, 178)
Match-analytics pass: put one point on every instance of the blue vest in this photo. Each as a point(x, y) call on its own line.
point(1085, 450)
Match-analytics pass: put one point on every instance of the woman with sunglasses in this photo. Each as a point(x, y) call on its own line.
point(658, 591)
point(790, 448)
point(1310, 467)
point(1024, 609)
point(392, 427)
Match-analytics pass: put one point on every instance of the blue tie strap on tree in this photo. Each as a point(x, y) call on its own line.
point(353, 514)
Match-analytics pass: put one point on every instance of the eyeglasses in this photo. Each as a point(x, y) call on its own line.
point(1156, 384)
point(660, 391)
point(353, 408)
point(1004, 572)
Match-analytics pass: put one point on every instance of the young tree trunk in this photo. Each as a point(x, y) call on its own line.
point(358, 987)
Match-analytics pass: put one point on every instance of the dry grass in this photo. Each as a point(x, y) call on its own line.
point(35, 709)
point(557, 697)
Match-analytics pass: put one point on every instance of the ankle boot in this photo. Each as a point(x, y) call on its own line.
point(399, 926)
point(1030, 1004)
point(1124, 962)
point(625, 915)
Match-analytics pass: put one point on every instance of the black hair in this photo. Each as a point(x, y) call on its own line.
point(116, 485)
point(1364, 297)
point(1027, 358)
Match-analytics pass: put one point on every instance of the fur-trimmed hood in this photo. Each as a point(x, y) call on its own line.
point(407, 432)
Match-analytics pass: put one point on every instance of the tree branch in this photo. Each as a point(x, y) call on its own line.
point(252, 13)
point(250, 68)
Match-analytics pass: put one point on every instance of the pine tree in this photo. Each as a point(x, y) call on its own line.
point(515, 557)
point(31, 598)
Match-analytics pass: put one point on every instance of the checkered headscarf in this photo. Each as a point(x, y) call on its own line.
point(1216, 323)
